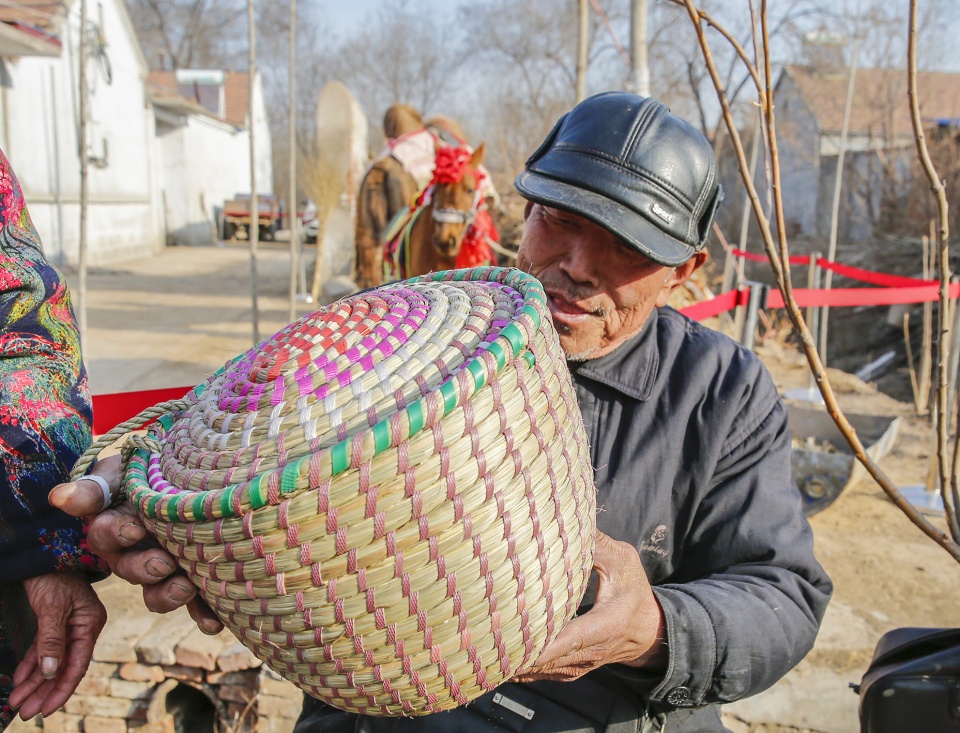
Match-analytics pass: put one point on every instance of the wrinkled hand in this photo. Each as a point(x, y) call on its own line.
point(119, 537)
point(625, 625)
point(70, 617)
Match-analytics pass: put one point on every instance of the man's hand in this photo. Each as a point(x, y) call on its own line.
point(119, 537)
point(625, 625)
point(70, 617)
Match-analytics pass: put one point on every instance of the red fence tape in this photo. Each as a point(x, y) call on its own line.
point(873, 278)
point(109, 410)
point(795, 260)
point(721, 304)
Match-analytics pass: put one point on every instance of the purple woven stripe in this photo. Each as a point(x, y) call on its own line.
point(278, 388)
point(330, 371)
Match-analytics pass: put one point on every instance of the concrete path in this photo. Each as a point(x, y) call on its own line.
point(170, 320)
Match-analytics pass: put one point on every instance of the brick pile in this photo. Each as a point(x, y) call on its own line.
point(146, 666)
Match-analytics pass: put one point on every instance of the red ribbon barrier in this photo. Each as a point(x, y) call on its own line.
point(795, 260)
point(721, 304)
point(873, 278)
point(109, 410)
point(863, 296)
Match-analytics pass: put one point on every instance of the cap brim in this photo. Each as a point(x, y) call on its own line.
point(634, 229)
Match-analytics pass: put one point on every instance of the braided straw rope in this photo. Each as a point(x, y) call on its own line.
point(390, 501)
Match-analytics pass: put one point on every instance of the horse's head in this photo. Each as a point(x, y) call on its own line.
point(455, 198)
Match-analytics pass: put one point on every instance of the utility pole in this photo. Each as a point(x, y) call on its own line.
point(84, 190)
point(639, 82)
point(837, 184)
point(254, 228)
point(582, 42)
point(292, 204)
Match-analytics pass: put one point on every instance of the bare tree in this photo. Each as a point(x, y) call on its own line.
point(183, 34)
point(402, 55)
point(777, 248)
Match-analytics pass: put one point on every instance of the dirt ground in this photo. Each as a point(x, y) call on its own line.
point(170, 320)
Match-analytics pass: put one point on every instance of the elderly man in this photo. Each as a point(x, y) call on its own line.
point(705, 588)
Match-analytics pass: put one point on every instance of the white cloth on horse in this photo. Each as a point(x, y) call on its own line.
point(415, 152)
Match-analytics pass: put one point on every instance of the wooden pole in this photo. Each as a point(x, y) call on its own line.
point(583, 40)
point(835, 211)
point(84, 191)
point(292, 203)
point(254, 229)
point(639, 71)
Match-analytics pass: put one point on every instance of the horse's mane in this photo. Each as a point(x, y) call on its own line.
point(401, 119)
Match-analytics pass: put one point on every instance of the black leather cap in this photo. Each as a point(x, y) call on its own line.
point(626, 163)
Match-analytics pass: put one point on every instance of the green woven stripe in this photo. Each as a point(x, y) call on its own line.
point(533, 313)
point(152, 506)
point(257, 496)
point(513, 333)
point(499, 354)
point(479, 373)
point(381, 436)
point(340, 456)
point(530, 358)
point(448, 391)
point(197, 506)
point(289, 477)
point(172, 505)
point(415, 413)
point(226, 501)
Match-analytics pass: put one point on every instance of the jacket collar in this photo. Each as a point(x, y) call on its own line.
point(631, 368)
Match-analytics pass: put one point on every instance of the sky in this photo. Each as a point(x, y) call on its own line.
point(348, 16)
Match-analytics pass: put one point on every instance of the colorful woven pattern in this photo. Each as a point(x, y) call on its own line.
point(390, 501)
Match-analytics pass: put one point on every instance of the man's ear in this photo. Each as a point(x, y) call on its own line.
point(680, 274)
point(527, 209)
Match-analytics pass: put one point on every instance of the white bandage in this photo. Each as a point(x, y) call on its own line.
point(104, 487)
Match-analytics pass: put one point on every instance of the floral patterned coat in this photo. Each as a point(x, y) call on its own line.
point(45, 423)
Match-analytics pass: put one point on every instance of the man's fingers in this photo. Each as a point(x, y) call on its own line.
point(144, 567)
point(26, 666)
point(115, 530)
point(169, 595)
point(204, 616)
point(32, 706)
point(85, 498)
point(24, 690)
point(573, 638)
point(51, 633)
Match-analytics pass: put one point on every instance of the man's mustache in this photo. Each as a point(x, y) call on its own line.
point(570, 291)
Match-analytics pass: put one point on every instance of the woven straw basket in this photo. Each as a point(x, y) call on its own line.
point(389, 502)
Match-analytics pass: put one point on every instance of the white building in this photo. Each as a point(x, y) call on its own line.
point(163, 155)
point(203, 146)
point(39, 127)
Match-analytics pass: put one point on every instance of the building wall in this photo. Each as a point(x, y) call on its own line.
point(798, 143)
point(40, 128)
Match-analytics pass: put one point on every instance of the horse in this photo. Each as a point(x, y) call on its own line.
point(448, 226)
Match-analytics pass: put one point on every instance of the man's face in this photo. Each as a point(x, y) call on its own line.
point(599, 290)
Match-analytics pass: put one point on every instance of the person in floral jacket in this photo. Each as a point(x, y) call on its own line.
point(50, 616)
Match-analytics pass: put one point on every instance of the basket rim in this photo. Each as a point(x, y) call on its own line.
point(238, 498)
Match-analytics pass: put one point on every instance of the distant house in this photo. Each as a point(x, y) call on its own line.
point(880, 148)
point(165, 148)
point(39, 127)
point(203, 118)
